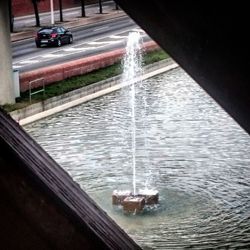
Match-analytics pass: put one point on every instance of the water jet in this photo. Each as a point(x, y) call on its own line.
point(134, 202)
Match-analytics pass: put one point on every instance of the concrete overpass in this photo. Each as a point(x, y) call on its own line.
point(207, 39)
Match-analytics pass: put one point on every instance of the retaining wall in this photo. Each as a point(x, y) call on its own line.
point(63, 71)
point(59, 103)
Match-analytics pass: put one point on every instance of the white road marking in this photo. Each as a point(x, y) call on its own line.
point(29, 61)
point(77, 49)
point(102, 28)
point(100, 43)
point(73, 50)
point(117, 37)
point(52, 55)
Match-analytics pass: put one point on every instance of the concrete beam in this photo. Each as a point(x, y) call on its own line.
point(6, 74)
point(41, 206)
point(209, 40)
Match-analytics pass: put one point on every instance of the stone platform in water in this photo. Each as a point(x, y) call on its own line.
point(119, 196)
point(151, 196)
point(135, 203)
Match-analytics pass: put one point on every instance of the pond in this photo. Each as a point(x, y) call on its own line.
point(187, 148)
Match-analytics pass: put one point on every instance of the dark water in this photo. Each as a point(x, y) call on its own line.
point(187, 148)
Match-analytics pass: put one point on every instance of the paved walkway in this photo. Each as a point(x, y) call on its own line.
point(29, 31)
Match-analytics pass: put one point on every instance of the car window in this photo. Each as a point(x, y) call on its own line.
point(46, 30)
point(59, 30)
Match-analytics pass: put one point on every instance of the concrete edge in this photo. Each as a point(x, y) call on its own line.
point(60, 103)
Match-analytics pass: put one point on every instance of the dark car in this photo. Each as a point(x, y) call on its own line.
point(54, 35)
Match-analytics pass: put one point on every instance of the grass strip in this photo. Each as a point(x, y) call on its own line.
point(76, 82)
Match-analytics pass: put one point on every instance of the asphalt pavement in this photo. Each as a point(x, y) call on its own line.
point(92, 17)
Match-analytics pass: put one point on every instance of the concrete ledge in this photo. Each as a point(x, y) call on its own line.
point(59, 103)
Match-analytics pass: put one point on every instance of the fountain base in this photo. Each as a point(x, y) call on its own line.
point(119, 196)
point(151, 196)
point(135, 203)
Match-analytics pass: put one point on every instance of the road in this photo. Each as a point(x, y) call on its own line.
point(88, 40)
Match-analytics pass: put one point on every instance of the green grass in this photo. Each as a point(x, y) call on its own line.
point(76, 82)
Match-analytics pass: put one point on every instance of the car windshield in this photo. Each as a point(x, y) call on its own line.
point(46, 30)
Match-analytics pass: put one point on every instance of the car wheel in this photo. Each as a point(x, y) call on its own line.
point(59, 43)
point(70, 39)
point(38, 45)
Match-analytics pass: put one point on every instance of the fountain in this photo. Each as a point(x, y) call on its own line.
point(133, 202)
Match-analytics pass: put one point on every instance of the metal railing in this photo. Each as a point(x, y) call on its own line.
point(37, 91)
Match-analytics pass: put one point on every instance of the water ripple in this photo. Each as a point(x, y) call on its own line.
point(187, 147)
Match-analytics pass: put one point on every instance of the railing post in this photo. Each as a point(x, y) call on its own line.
point(38, 91)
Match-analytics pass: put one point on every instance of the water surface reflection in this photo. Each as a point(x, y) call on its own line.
point(187, 147)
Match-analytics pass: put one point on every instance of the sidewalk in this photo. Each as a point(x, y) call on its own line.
point(29, 32)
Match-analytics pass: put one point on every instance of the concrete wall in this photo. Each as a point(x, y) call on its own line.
point(6, 74)
point(208, 40)
point(42, 207)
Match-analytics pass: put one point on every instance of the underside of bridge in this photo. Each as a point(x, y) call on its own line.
point(41, 207)
point(208, 40)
